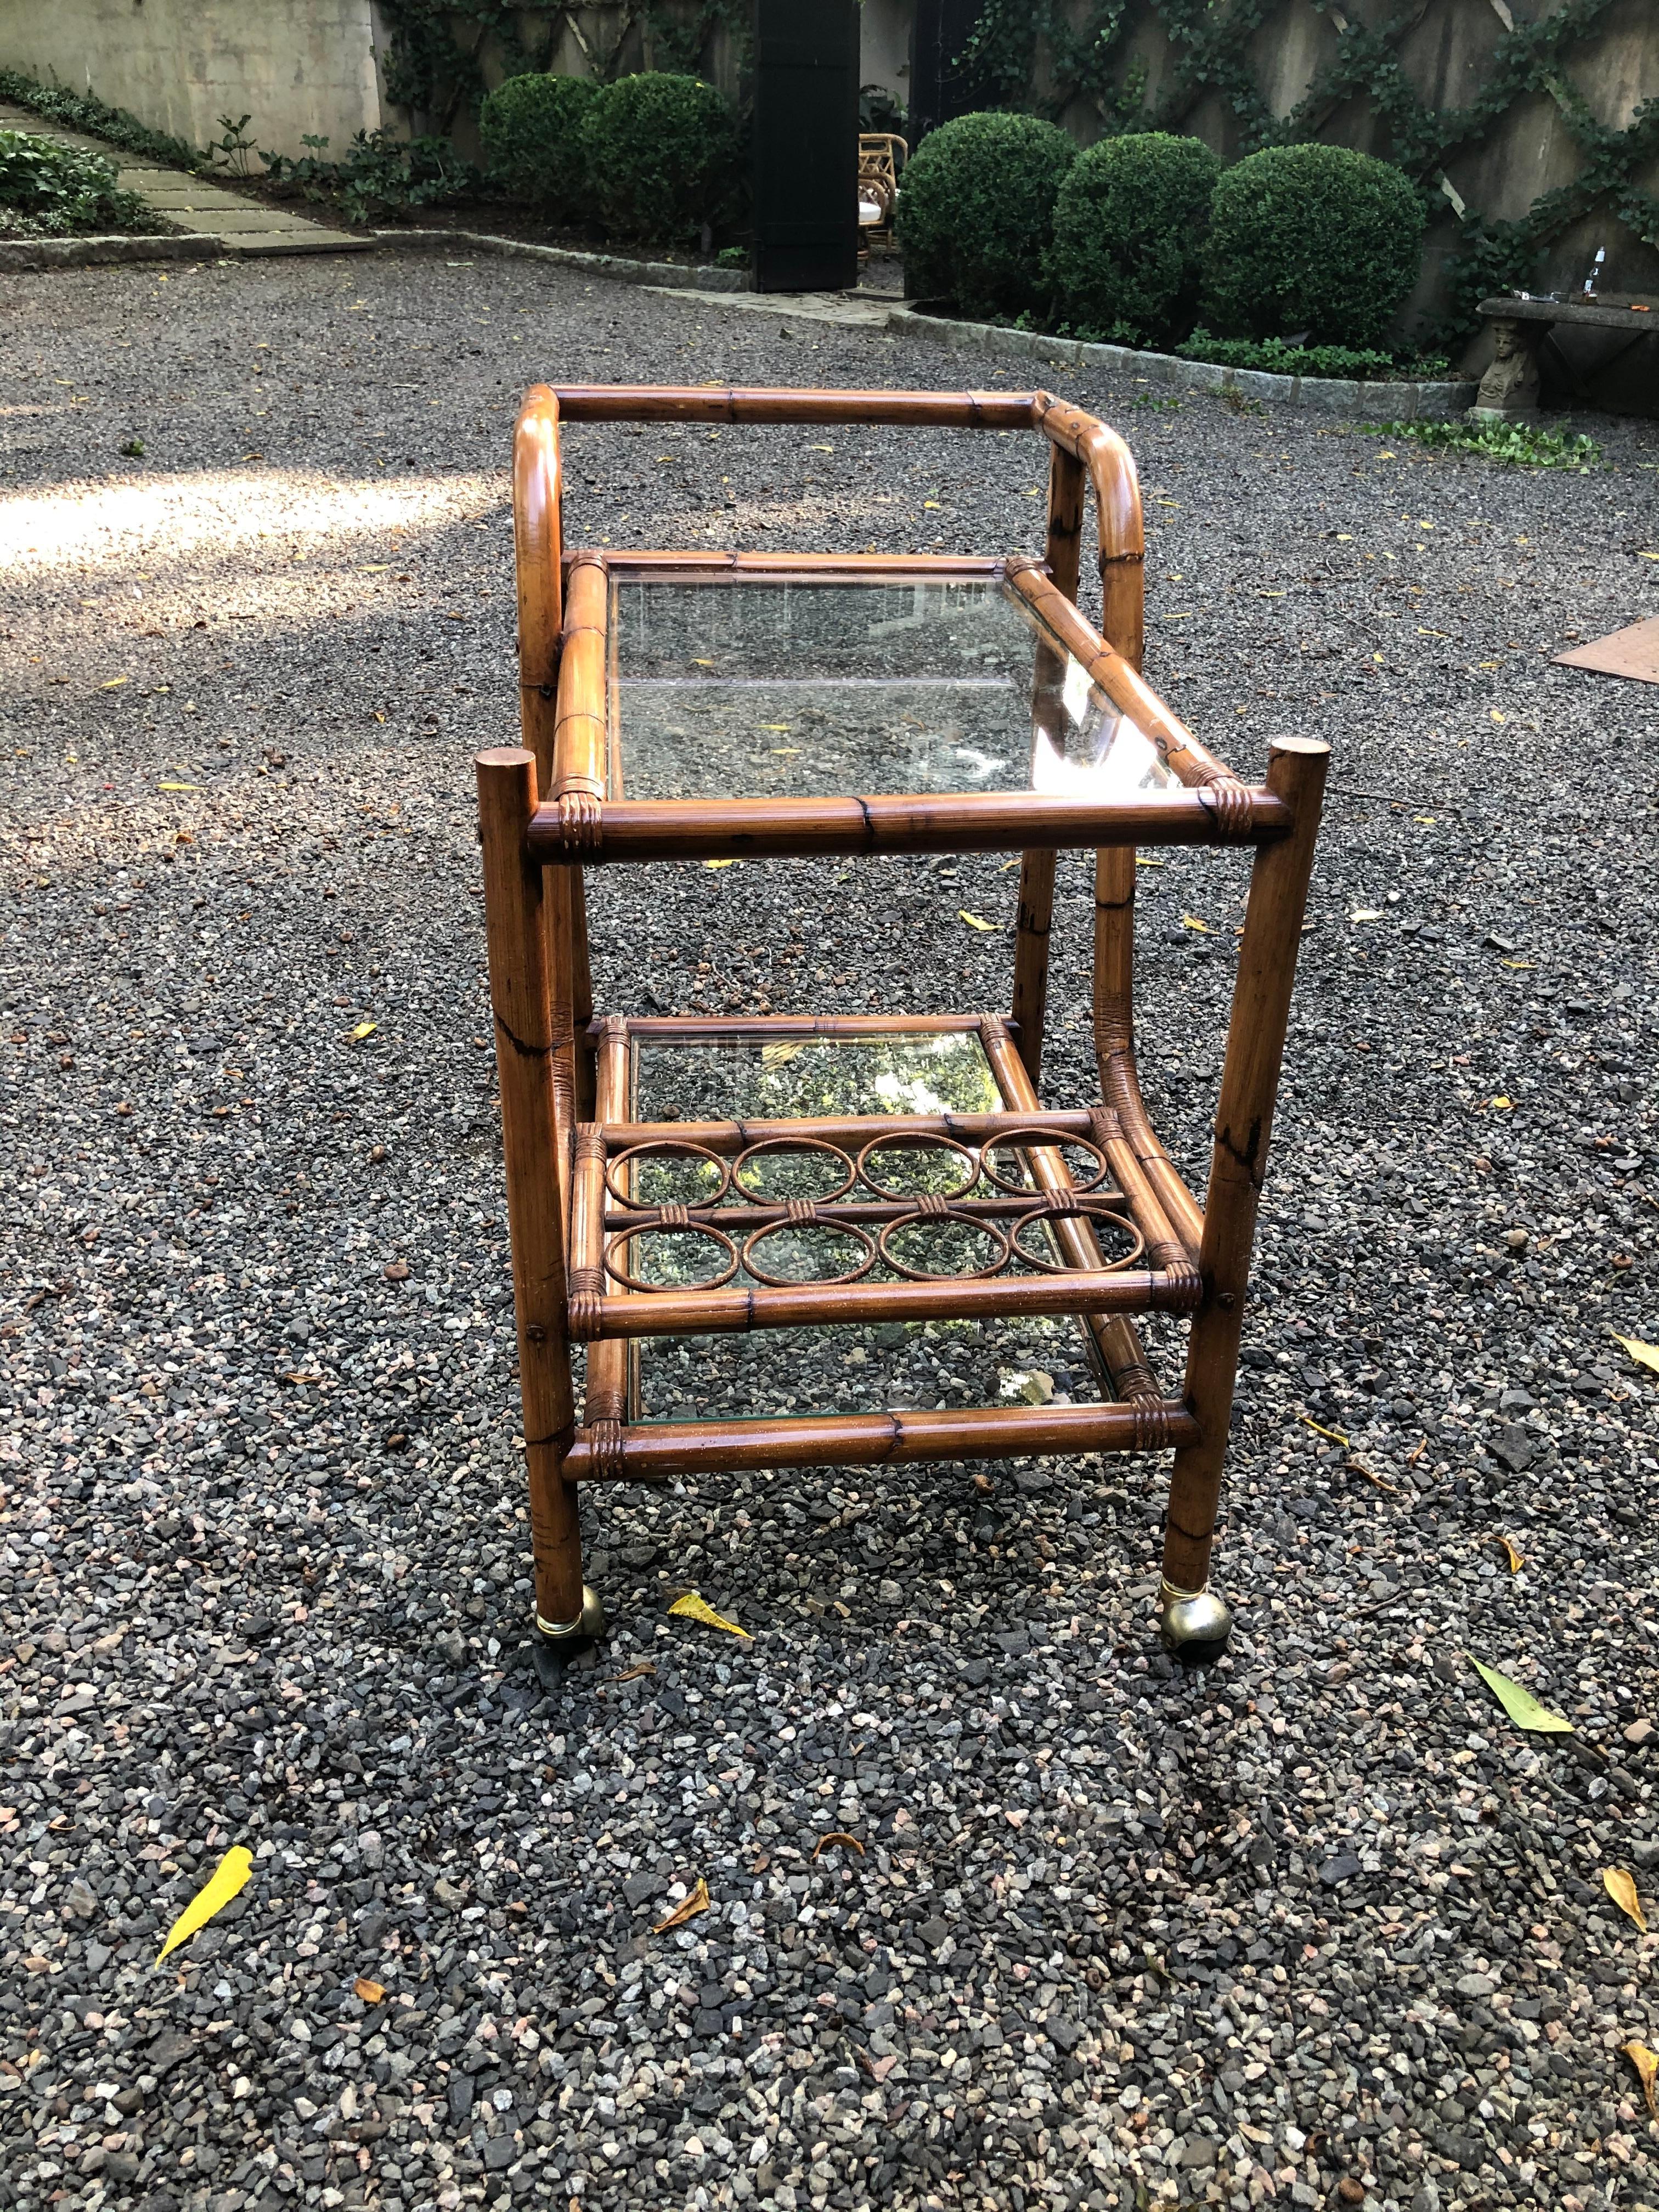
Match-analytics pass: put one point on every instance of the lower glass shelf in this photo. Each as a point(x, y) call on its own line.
point(859, 1369)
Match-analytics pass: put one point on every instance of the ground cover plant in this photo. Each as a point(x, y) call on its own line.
point(1367, 365)
point(83, 111)
point(49, 191)
point(379, 173)
point(1524, 444)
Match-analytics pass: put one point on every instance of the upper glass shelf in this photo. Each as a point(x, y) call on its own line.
point(759, 686)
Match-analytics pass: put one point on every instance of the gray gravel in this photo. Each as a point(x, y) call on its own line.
point(1317, 1926)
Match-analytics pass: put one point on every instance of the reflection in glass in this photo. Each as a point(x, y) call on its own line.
point(753, 686)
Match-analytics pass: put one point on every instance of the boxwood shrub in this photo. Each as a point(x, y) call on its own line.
point(975, 213)
point(661, 156)
point(531, 132)
point(1130, 221)
point(1311, 238)
point(51, 190)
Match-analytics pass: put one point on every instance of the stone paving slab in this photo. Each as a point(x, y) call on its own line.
point(194, 206)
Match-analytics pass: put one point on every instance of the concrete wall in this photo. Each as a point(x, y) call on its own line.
point(296, 66)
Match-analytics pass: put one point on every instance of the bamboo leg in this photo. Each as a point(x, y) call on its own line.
point(1066, 478)
point(522, 1003)
point(1194, 1621)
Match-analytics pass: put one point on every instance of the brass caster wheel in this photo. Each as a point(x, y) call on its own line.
point(1194, 1625)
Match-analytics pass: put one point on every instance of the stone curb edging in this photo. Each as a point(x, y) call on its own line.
point(1319, 395)
point(22, 255)
point(619, 267)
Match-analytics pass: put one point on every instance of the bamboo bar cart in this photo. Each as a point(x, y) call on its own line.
point(955, 705)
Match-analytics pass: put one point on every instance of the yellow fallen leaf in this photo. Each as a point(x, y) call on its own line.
point(823, 449)
point(777, 729)
point(1191, 921)
point(179, 787)
point(779, 1054)
point(693, 1608)
point(930, 502)
point(115, 683)
point(1522, 1708)
point(1517, 964)
point(1499, 719)
point(1142, 861)
point(841, 1837)
point(228, 1879)
point(1426, 821)
point(1621, 1889)
point(974, 921)
point(1644, 2060)
point(373, 568)
point(702, 664)
point(364, 1029)
point(1421, 632)
point(720, 864)
point(1647, 1354)
point(1501, 1105)
point(695, 1902)
point(370, 1992)
point(1514, 1557)
point(1335, 1435)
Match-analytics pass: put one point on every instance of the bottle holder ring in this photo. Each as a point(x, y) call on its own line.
point(940, 1219)
point(1096, 1214)
point(1031, 1139)
point(669, 1149)
point(893, 1142)
point(779, 1146)
point(809, 1282)
point(616, 1268)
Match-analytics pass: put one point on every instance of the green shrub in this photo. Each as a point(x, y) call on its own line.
point(661, 156)
point(50, 190)
point(532, 129)
point(1129, 224)
point(976, 209)
point(381, 174)
point(87, 112)
point(1362, 365)
point(1314, 238)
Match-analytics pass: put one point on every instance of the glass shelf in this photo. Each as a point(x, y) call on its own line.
point(755, 686)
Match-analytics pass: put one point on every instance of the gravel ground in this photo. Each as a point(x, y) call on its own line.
point(1317, 1925)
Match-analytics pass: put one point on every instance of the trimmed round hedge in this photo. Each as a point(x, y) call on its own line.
point(531, 130)
point(661, 156)
point(1311, 238)
point(976, 212)
point(1130, 221)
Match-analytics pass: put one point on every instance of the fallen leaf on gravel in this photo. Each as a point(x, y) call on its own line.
point(1522, 1708)
point(633, 1673)
point(1647, 1354)
point(228, 1879)
point(838, 1836)
point(779, 1055)
point(973, 921)
point(720, 864)
point(115, 683)
point(1517, 964)
point(1366, 913)
point(1500, 1105)
point(177, 787)
point(1647, 2065)
point(398, 1272)
point(364, 1029)
point(1142, 861)
point(1514, 1557)
point(1191, 921)
point(693, 1608)
point(697, 1902)
point(1621, 1889)
point(1335, 1435)
point(370, 1992)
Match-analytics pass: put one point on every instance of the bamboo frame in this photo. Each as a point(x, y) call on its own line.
point(566, 1081)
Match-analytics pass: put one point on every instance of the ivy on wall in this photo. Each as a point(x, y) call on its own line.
point(434, 59)
point(1210, 48)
